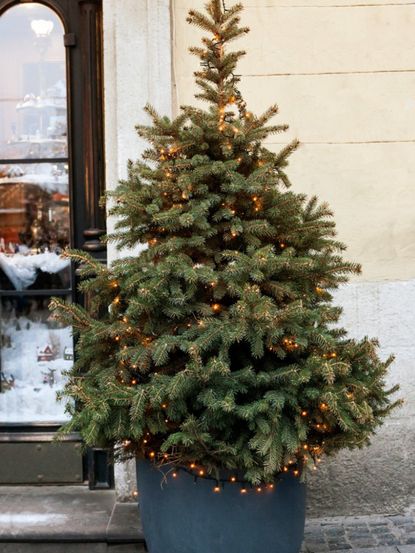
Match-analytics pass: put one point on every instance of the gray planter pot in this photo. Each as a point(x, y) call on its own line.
point(180, 515)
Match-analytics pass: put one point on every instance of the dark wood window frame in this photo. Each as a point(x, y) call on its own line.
point(82, 21)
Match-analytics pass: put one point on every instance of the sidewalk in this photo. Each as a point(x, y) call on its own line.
point(369, 534)
point(71, 519)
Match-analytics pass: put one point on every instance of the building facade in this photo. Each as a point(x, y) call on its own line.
point(342, 73)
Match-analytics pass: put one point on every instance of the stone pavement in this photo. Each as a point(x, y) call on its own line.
point(369, 534)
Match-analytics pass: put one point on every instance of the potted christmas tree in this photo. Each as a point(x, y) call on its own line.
point(213, 356)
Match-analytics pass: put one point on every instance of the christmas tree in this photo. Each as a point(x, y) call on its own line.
point(217, 346)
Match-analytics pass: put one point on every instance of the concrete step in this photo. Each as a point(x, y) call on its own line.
point(16, 547)
point(67, 519)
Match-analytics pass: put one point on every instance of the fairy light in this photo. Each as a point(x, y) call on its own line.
point(152, 454)
point(174, 474)
point(233, 479)
point(271, 486)
point(201, 472)
point(296, 472)
point(323, 406)
point(304, 413)
point(259, 490)
point(244, 491)
point(216, 307)
point(216, 489)
point(192, 466)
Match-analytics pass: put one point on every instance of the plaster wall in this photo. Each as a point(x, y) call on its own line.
point(343, 75)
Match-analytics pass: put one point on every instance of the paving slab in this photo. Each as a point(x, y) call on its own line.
point(369, 550)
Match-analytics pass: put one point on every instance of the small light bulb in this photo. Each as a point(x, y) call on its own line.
point(233, 479)
point(216, 489)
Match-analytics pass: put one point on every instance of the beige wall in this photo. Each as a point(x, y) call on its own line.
point(343, 74)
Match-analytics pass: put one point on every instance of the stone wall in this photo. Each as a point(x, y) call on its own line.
point(137, 70)
point(343, 74)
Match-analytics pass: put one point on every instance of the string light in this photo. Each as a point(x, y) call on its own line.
point(216, 307)
point(304, 413)
point(216, 489)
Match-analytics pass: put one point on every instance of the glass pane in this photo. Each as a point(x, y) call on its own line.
point(36, 349)
point(34, 226)
point(33, 108)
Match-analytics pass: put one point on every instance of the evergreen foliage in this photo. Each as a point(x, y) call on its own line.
point(218, 344)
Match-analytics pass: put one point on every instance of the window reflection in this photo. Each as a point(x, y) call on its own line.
point(34, 226)
point(35, 350)
point(33, 118)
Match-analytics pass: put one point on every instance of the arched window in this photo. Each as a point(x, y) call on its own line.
point(51, 177)
point(35, 222)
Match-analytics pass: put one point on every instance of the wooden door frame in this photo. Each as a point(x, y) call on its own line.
point(82, 22)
